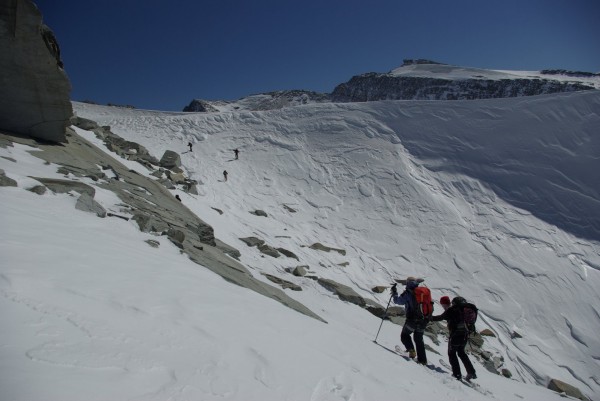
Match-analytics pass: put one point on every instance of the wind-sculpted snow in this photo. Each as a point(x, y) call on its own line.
point(494, 200)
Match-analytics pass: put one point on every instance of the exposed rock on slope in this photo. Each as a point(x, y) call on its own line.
point(35, 90)
point(428, 80)
point(153, 207)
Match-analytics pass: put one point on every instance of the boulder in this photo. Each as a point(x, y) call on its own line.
point(87, 203)
point(38, 189)
point(562, 387)
point(261, 213)
point(176, 236)
point(152, 243)
point(170, 160)
point(379, 289)
point(269, 250)
point(6, 181)
point(487, 333)
point(36, 93)
point(343, 292)
point(287, 253)
point(252, 241)
point(320, 247)
point(300, 271)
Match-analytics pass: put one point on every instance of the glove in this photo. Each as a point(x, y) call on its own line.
point(394, 290)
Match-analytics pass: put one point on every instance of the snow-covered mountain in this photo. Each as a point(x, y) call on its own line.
point(427, 80)
point(495, 200)
point(418, 80)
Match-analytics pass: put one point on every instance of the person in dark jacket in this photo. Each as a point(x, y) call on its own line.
point(459, 336)
point(415, 323)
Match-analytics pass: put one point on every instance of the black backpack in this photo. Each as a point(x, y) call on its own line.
point(468, 314)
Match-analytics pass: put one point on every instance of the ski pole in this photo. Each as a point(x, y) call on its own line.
point(385, 313)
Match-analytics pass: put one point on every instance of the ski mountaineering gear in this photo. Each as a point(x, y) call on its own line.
point(416, 321)
point(468, 312)
point(394, 292)
point(459, 334)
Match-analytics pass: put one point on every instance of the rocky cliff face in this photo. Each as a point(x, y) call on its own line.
point(35, 90)
point(375, 86)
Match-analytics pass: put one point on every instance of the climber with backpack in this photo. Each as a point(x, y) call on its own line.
point(419, 308)
point(461, 316)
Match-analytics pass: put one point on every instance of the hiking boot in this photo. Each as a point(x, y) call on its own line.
point(470, 376)
point(412, 353)
point(422, 362)
point(457, 377)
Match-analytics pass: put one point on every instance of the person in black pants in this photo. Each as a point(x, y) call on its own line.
point(459, 336)
point(415, 322)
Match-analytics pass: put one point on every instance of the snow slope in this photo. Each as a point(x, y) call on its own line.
point(450, 191)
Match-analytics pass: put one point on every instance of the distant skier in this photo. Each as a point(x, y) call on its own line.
point(416, 320)
point(225, 175)
point(459, 336)
point(190, 145)
point(236, 152)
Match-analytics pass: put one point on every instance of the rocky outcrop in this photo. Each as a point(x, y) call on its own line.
point(376, 86)
point(260, 102)
point(6, 181)
point(158, 208)
point(35, 90)
point(200, 106)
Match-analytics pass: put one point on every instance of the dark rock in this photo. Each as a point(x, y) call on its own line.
point(84, 123)
point(300, 271)
point(35, 90)
point(152, 243)
point(562, 387)
point(269, 250)
point(201, 106)
point(6, 181)
point(376, 86)
point(379, 289)
point(218, 210)
point(86, 203)
point(170, 160)
point(287, 253)
point(343, 292)
point(38, 189)
point(487, 333)
point(148, 223)
point(506, 373)
point(261, 213)
point(176, 236)
point(283, 283)
point(252, 241)
point(289, 209)
point(515, 335)
point(320, 247)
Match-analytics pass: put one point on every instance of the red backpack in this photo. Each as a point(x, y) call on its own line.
point(424, 302)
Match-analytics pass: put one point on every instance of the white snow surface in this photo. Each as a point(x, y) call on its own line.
point(92, 312)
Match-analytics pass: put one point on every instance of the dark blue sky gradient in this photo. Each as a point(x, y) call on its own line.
point(161, 54)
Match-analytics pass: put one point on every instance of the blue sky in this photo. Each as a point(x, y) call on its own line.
point(161, 54)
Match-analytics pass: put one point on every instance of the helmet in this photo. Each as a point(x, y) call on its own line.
point(445, 300)
point(458, 301)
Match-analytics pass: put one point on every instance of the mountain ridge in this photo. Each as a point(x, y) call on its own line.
point(419, 79)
